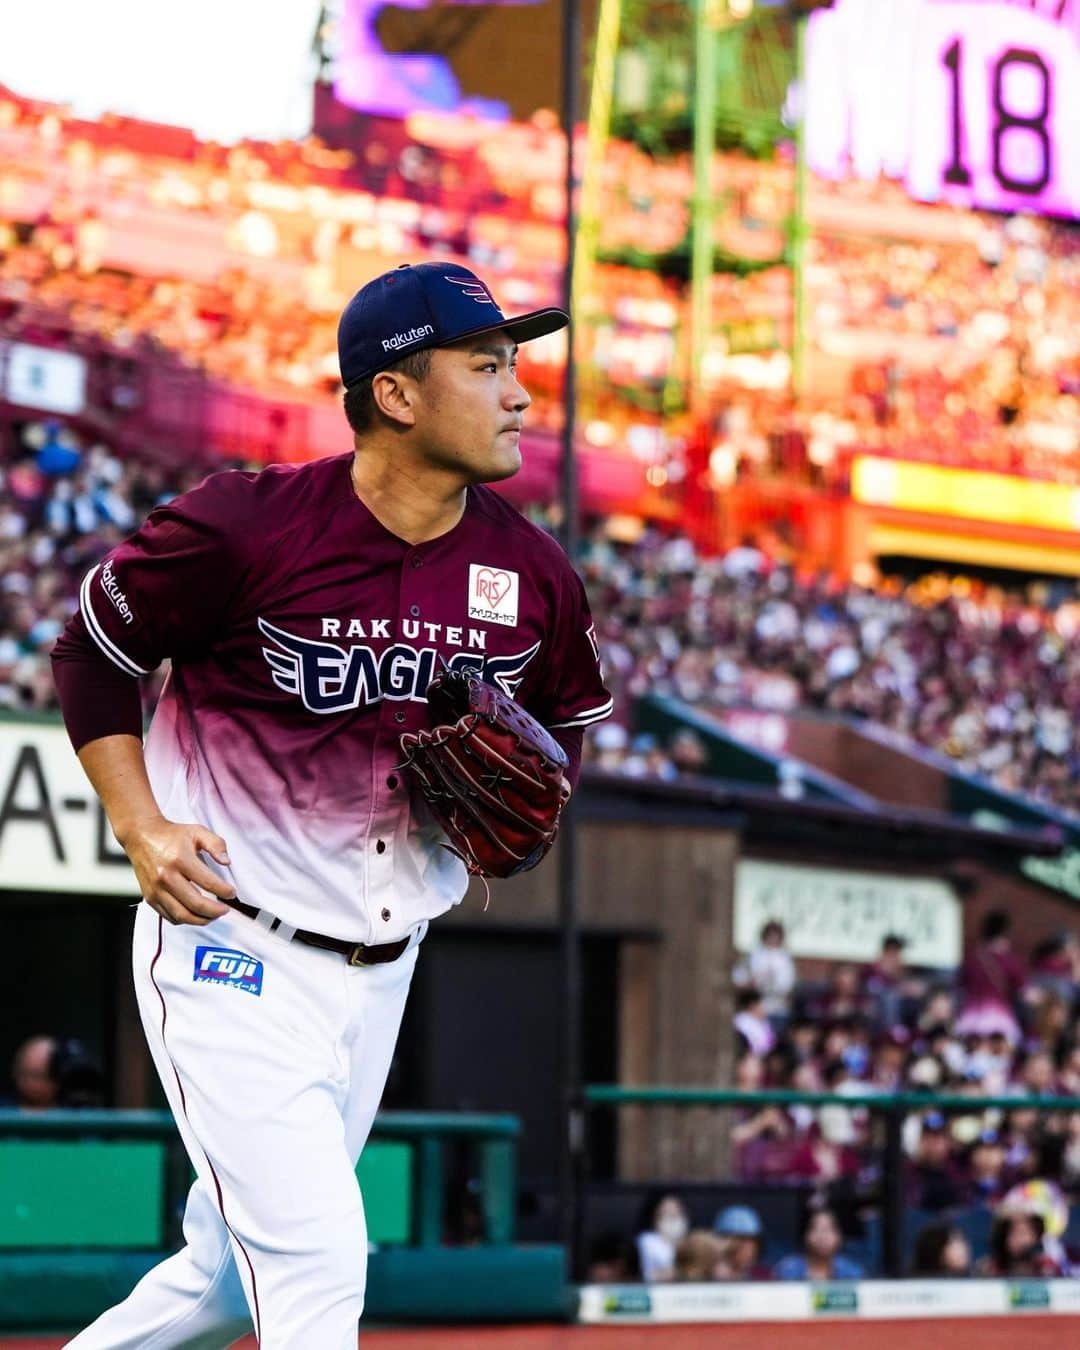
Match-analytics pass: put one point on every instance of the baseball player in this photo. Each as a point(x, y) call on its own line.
point(288, 872)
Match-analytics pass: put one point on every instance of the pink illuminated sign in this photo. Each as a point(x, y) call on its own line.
point(975, 102)
point(395, 84)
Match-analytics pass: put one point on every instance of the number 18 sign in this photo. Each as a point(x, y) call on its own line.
point(975, 102)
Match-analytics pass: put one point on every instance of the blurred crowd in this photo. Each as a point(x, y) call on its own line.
point(932, 333)
point(984, 1191)
point(63, 504)
point(1020, 1239)
point(987, 676)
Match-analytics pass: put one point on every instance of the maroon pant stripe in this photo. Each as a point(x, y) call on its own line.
point(183, 1103)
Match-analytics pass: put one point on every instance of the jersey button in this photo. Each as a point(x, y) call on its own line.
point(414, 610)
point(386, 916)
point(418, 562)
point(380, 846)
point(391, 782)
point(399, 717)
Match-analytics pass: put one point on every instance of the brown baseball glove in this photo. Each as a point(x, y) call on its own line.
point(491, 774)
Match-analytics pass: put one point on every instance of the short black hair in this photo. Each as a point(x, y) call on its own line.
point(996, 923)
point(360, 410)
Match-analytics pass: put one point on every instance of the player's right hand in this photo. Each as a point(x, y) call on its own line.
point(172, 876)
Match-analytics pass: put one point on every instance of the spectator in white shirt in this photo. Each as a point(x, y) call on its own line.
point(770, 970)
point(664, 1224)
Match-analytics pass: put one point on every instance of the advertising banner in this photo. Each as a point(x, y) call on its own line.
point(53, 833)
point(843, 915)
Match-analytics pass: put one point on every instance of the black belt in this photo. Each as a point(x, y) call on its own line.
point(356, 953)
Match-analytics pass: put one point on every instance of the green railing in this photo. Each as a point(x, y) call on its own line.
point(141, 1150)
point(892, 1108)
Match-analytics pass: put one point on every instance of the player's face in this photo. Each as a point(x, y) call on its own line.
point(470, 409)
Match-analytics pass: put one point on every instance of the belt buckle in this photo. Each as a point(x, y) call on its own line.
point(356, 956)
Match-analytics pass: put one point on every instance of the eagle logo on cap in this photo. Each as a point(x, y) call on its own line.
point(474, 288)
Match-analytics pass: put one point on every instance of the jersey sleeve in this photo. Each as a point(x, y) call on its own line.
point(166, 590)
point(574, 693)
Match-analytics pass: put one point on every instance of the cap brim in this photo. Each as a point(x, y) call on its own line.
point(523, 328)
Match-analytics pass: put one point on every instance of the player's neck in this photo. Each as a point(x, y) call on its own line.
point(411, 502)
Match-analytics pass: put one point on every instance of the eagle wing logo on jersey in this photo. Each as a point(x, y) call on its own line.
point(328, 678)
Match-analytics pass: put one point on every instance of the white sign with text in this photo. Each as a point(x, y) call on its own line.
point(53, 832)
point(843, 915)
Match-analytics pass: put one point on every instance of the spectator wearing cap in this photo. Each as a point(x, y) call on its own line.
point(888, 984)
point(986, 1180)
point(59, 452)
point(803, 1034)
point(932, 1181)
point(741, 1230)
point(821, 1257)
point(892, 1050)
point(1021, 1137)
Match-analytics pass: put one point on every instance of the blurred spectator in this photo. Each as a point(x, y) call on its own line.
point(991, 979)
point(35, 1086)
point(752, 1023)
point(825, 1155)
point(891, 987)
point(932, 1180)
point(941, 1252)
point(1018, 1247)
point(701, 1256)
point(821, 1257)
point(892, 1051)
point(612, 1259)
point(664, 1224)
point(759, 1136)
point(740, 1229)
point(52, 1071)
point(1055, 966)
point(59, 453)
point(843, 997)
point(770, 970)
point(986, 1179)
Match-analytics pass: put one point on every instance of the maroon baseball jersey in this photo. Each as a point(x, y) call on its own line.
point(303, 635)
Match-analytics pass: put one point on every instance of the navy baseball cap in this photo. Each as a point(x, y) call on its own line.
point(418, 305)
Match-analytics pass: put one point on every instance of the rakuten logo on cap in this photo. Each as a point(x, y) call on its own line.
point(391, 344)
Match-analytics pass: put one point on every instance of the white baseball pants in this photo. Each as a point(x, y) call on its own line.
point(274, 1066)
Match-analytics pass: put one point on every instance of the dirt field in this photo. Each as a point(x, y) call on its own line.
point(1014, 1333)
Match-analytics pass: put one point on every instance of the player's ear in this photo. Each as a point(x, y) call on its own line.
point(394, 395)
